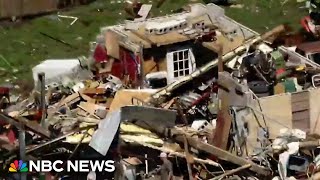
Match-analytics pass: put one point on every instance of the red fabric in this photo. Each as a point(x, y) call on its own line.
point(37, 116)
point(304, 23)
point(100, 54)
point(4, 91)
point(11, 136)
point(127, 63)
point(280, 71)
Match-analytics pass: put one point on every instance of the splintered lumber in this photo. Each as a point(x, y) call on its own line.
point(178, 135)
point(156, 98)
point(178, 154)
point(232, 172)
point(57, 139)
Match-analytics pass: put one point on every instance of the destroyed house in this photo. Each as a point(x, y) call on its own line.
point(171, 46)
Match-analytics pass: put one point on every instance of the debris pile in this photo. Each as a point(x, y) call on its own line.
point(214, 98)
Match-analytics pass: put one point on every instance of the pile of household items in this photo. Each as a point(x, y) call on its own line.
point(220, 99)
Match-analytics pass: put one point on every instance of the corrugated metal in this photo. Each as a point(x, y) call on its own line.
point(301, 110)
point(11, 8)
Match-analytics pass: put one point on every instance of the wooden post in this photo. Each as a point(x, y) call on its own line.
point(41, 79)
point(222, 129)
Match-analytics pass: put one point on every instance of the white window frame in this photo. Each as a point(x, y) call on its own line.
point(180, 63)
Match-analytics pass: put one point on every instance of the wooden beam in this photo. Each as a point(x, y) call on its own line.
point(34, 127)
point(224, 119)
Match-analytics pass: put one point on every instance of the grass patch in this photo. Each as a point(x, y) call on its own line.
point(262, 15)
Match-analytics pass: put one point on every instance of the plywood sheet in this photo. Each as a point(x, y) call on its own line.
point(277, 110)
point(112, 45)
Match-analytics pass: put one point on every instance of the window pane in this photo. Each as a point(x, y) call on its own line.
point(180, 65)
point(181, 73)
point(186, 54)
point(180, 55)
point(176, 74)
point(175, 66)
point(186, 64)
point(175, 58)
point(186, 72)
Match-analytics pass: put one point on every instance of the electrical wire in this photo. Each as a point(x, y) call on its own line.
point(272, 119)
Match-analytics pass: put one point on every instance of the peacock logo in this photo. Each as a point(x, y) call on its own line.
point(18, 166)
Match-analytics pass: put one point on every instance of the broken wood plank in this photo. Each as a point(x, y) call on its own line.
point(89, 113)
point(94, 91)
point(178, 135)
point(20, 122)
point(73, 98)
point(233, 171)
point(178, 154)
